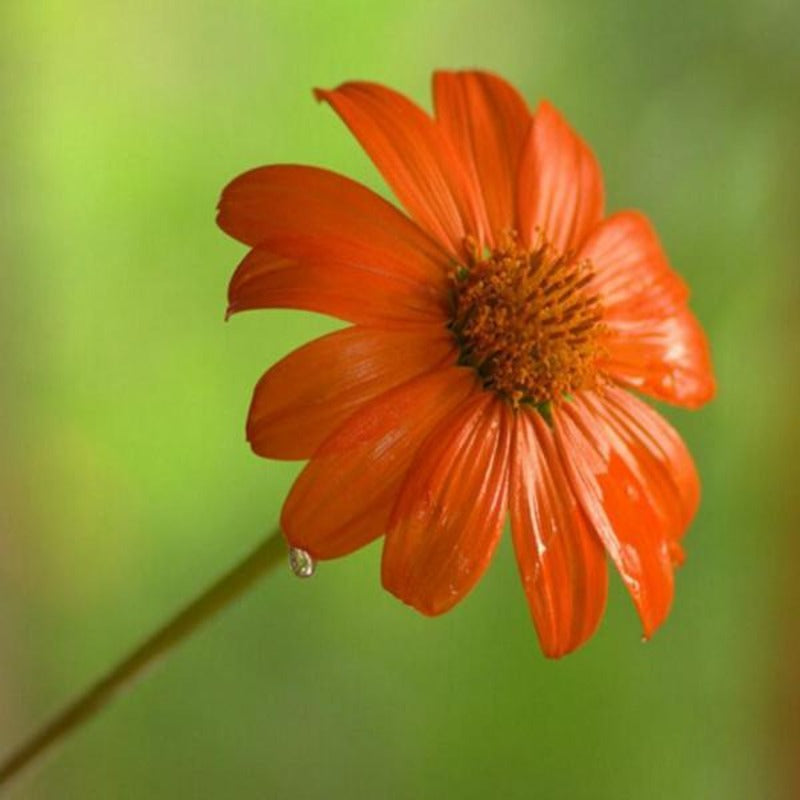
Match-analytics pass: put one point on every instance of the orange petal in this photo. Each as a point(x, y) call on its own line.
point(488, 121)
point(655, 344)
point(414, 156)
point(631, 269)
point(653, 450)
point(561, 561)
point(560, 184)
point(307, 274)
point(449, 513)
point(621, 503)
point(337, 213)
point(301, 400)
point(342, 499)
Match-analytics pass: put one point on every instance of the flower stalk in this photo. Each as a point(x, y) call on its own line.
point(207, 605)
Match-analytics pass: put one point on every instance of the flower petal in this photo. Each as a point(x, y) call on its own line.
point(342, 499)
point(655, 344)
point(655, 450)
point(450, 511)
point(666, 358)
point(309, 274)
point(488, 121)
point(561, 561)
point(623, 498)
point(324, 243)
point(414, 156)
point(285, 200)
point(301, 400)
point(560, 184)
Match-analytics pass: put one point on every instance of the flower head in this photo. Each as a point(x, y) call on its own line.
point(495, 335)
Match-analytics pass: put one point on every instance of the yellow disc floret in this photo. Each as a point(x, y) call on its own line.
point(527, 321)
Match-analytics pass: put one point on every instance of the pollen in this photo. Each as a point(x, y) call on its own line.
point(527, 321)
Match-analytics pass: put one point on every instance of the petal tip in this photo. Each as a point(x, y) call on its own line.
point(555, 654)
point(404, 593)
point(710, 392)
point(546, 107)
point(652, 619)
point(232, 308)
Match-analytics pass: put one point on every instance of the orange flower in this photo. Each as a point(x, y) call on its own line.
point(494, 334)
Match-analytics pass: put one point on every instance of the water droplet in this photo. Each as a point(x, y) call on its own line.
point(301, 562)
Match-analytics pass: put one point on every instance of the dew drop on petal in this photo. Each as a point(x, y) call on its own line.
point(301, 562)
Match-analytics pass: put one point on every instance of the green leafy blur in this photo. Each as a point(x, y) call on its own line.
point(126, 483)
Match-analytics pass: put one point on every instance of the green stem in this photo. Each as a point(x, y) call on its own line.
point(217, 597)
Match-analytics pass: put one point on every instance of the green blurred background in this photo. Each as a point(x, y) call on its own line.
point(126, 483)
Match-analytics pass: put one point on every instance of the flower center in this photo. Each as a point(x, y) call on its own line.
point(527, 322)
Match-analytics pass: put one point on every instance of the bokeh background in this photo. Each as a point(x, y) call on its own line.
point(126, 483)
